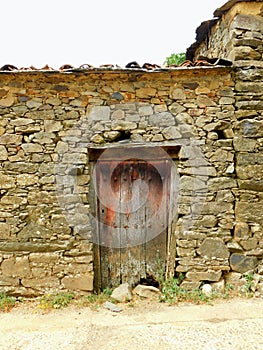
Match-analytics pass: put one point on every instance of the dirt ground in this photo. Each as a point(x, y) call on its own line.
point(228, 324)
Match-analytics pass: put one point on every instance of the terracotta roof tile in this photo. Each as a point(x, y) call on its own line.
point(204, 62)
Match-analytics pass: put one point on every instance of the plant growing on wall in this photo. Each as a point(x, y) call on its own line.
point(175, 58)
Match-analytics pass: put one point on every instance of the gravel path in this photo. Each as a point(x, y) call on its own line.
point(235, 324)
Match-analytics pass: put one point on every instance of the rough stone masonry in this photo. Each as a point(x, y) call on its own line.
point(50, 119)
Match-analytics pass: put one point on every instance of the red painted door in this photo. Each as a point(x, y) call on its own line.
point(132, 200)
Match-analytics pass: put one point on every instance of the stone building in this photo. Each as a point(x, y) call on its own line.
point(113, 175)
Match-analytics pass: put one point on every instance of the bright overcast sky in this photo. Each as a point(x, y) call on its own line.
point(57, 32)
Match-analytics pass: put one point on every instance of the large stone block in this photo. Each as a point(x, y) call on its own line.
point(7, 181)
point(34, 230)
point(251, 185)
point(249, 212)
point(242, 144)
point(163, 119)
point(255, 87)
point(99, 113)
point(32, 148)
point(83, 282)
point(18, 267)
point(213, 248)
point(146, 92)
point(213, 208)
point(25, 180)
point(210, 275)
point(248, 22)
point(249, 158)
point(11, 139)
point(5, 230)
point(41, 283)
point(221, 183)
point(254, 172)
point(251, 128)
point(242, 264)
point(37, 246)
point(245, 53)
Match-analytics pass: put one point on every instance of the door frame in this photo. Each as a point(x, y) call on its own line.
point(170, 259)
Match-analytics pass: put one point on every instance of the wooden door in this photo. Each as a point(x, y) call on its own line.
point(132, 208)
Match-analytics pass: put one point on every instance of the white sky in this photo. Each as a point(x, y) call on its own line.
point(57, 32)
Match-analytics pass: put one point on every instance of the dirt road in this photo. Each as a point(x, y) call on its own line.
point(233, 324)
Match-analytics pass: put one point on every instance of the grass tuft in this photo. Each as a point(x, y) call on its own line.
point(6, 302)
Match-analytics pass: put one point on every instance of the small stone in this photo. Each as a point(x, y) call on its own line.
point(230, 169)
point(207, 290)
point(157, 138)
point(62, 147)
point(160, 108)
point(189, 285)
point(32, 148)
point(122, 125)
point(218, 287)
point(7, 102)
point(208, 221)
point(111, 135)
point(234, 247)
point(241, 230)
point(52, 126)
point(117, 96)
point(176, 108)
point(204, 101)
point(3, 153)
point(232, 277)
point(118, 114)
point(249, 244)
point(122, 293)
point(146, 291)
point(33, 104)
point(112, 307)
point(172, 133)
point(145, 110)
point(146, 92)
point(177, 94)
point(97, 138)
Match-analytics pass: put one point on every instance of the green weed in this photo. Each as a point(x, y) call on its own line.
point(56, 301)
point(176, 59)
point(6, 302)
point(249, 284)
point(173, 293)
point(97, 299)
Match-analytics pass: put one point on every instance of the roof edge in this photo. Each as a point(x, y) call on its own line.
point(202, 32)
point(227, 6)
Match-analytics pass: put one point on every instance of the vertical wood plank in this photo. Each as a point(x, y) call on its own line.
point(134, 214)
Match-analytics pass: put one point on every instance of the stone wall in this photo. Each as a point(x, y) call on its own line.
point(49, 120)
point(240, 32)
point(236, 35)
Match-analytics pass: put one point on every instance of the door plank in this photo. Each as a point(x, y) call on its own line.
point(133, 199)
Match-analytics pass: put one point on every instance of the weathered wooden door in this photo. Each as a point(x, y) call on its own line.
point(132, 207)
